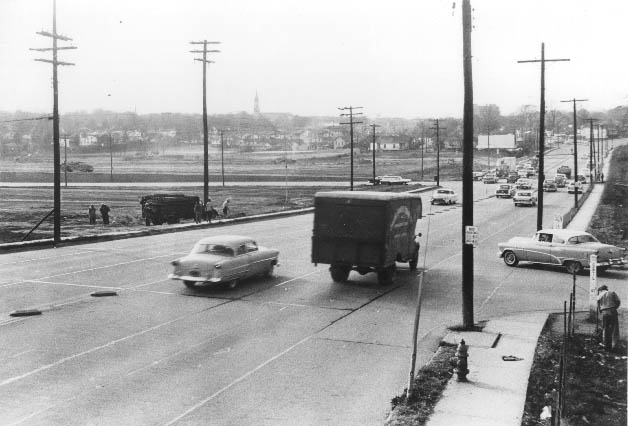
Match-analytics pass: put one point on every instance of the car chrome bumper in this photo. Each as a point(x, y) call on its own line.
point(195, 279)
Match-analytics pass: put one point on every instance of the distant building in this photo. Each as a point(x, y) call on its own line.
point(87, 139)
point(496, 141)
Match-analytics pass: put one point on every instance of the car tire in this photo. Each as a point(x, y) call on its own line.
point(510, 258)
point(189, 284)
point(339, 274)
point(413, 263)
point(573, 266)
point(269, 271)
point(385, 275)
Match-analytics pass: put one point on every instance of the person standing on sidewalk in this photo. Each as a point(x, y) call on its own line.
point(608, 302)
point(91, 212)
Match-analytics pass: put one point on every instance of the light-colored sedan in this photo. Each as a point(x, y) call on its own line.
point(393, 180)
point(566, 247)
point(444, 196)
point(224, 259)
point(524, 197)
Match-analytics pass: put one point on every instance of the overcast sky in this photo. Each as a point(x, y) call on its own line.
point(395, 58)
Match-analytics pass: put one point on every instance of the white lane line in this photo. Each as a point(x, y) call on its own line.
point(74, 285)
point(297, 278)
point(16, 355)
point(89, 351)
point(38, 259)
point(236, 381)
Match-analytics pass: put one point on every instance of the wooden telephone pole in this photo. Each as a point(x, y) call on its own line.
point(205, 130)
point(55, 117)
point(575, 145)
point(373, 126)
point(351, 123)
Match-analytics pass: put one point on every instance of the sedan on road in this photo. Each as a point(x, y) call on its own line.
point(573, 187)
point(224, 259)
point(524, 197)
point(393, 180)
point(566, 247)
point(444, 196)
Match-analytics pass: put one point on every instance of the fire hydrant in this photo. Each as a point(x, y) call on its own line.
point(461, 370)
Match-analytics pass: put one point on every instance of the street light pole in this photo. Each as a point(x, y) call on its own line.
point(373, 126)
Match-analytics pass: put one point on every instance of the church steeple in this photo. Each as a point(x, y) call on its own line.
point(256, 104)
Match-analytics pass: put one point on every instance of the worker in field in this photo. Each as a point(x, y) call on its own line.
point(608, 302)
point(91, 212)
point(104, 212)
point(198, 211)
point(225, 207)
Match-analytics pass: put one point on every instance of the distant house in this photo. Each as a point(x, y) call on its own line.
point(391, 143)
point(88, 139)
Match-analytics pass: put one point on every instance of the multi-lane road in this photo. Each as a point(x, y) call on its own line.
point(295, 349)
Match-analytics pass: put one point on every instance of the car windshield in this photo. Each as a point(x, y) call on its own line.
point(584, 238)
point(504, 186)
point(217, 249)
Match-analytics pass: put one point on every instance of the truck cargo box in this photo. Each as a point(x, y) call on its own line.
point(365, 231)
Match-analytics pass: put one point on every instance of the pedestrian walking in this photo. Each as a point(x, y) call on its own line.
point(91, 212)
point(198, 212)
point(608, 302)
point(225, 207)
point(104, 212)
point(210, 211)
point(602, 177)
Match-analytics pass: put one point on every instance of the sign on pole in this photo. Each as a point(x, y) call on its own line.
point(593, 286)
point(472, 235)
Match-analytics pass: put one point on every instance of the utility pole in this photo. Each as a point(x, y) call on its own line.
point(205, 131)
point(591, 149)
point(539, 214)
point(55, 116)
point(373, 126)
point(599, 157)
point(222, 156)
point(110, 158)
point(65, 159)
point(422, 148)
point(351, 123)
point(437, 128)
point(467, 169)
point(575, 145)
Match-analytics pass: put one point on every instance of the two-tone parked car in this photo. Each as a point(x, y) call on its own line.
point(574, 187)
point(569, 248)
point(444, 196)
point(393, 180)
point(524, 197)
point(224, 259)
point(504, 190)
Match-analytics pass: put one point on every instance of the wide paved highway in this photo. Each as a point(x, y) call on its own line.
point(295, 349)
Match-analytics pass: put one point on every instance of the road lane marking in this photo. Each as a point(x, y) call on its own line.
point(86, 352)
point(297, 278)
point(37, 259)
point(236, 381)
point(75, 285)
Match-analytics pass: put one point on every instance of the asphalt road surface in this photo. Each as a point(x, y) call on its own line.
point(294, 349)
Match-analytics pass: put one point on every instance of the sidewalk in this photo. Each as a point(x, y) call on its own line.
point(495, 393)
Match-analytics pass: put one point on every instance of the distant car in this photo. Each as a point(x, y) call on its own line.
point(224, 259)
point(504, 190)
point(549, 186)
point(77, 166)
point(574, 187)
point(530, 172)
point(566, 170)
point(560, 180)
point(512, 177)
point(523, 183)
point(444, 196)
point(490, 178)
point(581, 178)
point(569, 248)
point(524, 197)
point(376, 180)
point(478, 175)
point(393, 180)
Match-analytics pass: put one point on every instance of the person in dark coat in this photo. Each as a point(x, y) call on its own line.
point(91, 212)
point(608, 302)
point(104, 212)
point(198, 211)
point(225, 207)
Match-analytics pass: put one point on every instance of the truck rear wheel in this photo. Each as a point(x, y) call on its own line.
point(339, 274)
point(385, 275)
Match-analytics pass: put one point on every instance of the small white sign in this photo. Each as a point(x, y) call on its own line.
point(472, 235)
point(593, 286)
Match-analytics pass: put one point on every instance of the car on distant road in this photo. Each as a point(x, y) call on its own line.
point(566, 247)
point(524, 197)
point(444, 196)
point(393, 180)
point(560, 180)
point(523, 183)
point(566, 170)
point(512, 177)
point(478, 175)
point(549, 186)
point(77, 166)
point(574, 187)
point(224, 259)
point(504, 190)
point(490, 178)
